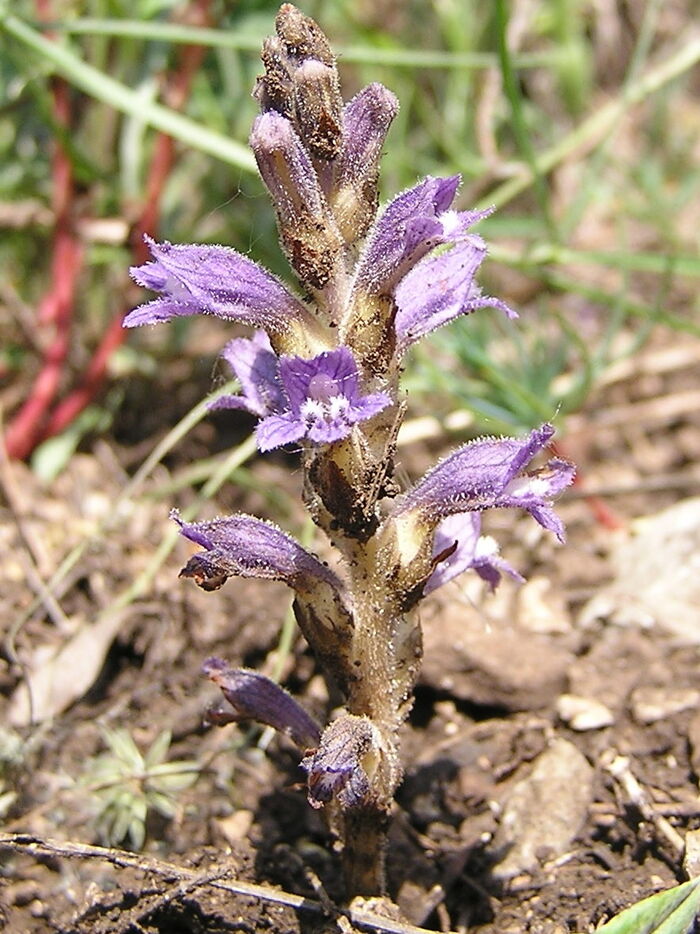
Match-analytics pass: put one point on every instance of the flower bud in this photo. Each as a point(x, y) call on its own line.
point(307, 229)
point(252, 696)
point(301, 82)
point(273, 90)
point(348, 759)
point(318, 109)
point(366, 121)
point(302, 36)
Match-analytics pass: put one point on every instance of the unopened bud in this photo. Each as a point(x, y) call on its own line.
point(252, 696)
point(273, 90)
point(307, 228)
point(301, 82)
point(345, 763)
point(318, 108)
point(366, 121)
point(302, 36)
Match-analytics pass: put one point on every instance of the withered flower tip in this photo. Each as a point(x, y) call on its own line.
point(251, 696)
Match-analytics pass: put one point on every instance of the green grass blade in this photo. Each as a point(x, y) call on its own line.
point(118, 95)
point(599, 124)
point(518, 123)
point(670, 912)
point(151, 31)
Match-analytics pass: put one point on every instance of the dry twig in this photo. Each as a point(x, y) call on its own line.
point(619, 768)
point(188, 878)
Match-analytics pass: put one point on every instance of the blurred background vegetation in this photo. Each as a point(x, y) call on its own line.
point(578, 119)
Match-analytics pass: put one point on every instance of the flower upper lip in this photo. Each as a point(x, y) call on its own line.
point(215, 280)
point(487, 473)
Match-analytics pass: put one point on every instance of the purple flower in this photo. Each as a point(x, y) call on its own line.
point(307, 228)
point(255, 365)
point(244, 546)
point(345, 761)
point(324, 401)
point(488, 473)
point(366, 121)
point(317, 398)
point(414, 223)
point(252, 696)
point(212, 280)
point(439, 289)
point(458, 546)
point(287, 170)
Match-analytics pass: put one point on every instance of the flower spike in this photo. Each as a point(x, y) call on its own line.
point(324, 374)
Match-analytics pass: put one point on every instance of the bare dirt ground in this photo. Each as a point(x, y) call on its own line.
point(553, 753)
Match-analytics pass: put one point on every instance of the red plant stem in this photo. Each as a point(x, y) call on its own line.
point(56, 306)
point(175, 94)
point(79, 399)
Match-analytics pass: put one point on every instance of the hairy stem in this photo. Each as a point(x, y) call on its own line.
point(364, 850)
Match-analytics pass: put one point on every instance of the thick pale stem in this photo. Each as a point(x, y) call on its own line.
point(364, 850)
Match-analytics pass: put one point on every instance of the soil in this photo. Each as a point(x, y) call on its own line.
point(551, 758)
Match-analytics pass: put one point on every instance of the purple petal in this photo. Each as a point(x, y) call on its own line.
point(329, 374)
point(214, 280)
point(255, 366)
point(439, 289)
point(252, 696)
point(485, 474)
point(534, 492)
point(241, 545)
point(408, 229)
point(324, 401)
point(277, 430)
point(333, 424)
point(160, 309)
point(344, 763)
point(366, 121)
point(459, 538)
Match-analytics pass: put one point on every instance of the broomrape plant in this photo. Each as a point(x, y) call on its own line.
point(321, 372)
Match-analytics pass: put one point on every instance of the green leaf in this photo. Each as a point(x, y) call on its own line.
point(52, 456)
point(123, 746)
point(181, 775)
point(158, 751)
point(137, 833)
point(117, 816)
point(6, 801)
point(162, 803)
point(669, 912)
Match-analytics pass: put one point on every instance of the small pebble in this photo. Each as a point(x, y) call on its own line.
point(650, 704)
point(545, 809)
point(584, 713)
